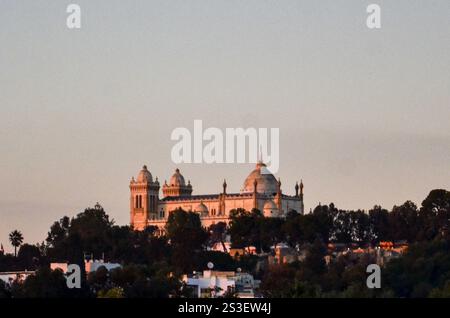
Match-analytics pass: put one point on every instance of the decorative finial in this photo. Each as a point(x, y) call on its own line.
point(144, 167)
point(177, 170)
point(224, 186)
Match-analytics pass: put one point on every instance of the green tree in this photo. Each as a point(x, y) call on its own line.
point(314, 263)
point(29, 257)
point(92, 227)
point(87, 233)
point(138, 281)
point(278, 282)
point(404, 222)
point(291, 229)
point(425, 266)
point(217, 233)
point(434, 215)
point(16, 239)
point(187, 238)
point(379, 224)
point(115, 292)
point(323, 222)
point(443, 292)
point(4, 290)
point(58, 232)
point(245, 228)
point(360, 225)
point(46, 283)
point(271, 232)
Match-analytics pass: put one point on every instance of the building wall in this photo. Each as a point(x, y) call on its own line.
point(232, 202)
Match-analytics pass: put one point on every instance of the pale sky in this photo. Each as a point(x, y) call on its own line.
point(363, 114)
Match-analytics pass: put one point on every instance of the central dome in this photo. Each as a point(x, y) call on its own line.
point(266, 182)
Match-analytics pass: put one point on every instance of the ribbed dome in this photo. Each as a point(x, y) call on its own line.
point(266, 182)
point(144, 175)
point(201, 209)
point(177, 179)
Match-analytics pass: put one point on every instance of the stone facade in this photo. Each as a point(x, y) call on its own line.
point(260, 190)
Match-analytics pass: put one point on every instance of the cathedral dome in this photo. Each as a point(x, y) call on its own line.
point(266, 182)
point(144, 175)
point(201, 209)
point(177, 179)
point(270, 209)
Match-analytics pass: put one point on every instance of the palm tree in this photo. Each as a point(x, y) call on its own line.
point(217, 234)
point(16, 239)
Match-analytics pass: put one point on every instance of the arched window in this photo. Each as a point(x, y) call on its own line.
point(136, 203)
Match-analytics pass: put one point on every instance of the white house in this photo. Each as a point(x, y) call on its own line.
point(212, 284)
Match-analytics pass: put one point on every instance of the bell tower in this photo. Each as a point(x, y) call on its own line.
point(144, 196)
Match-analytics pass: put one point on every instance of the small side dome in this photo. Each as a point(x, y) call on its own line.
point(270, 209)
point(177, 179)
point(144, 175)
point(202, 209)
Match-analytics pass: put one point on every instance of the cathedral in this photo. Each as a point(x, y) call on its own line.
point(260, 191)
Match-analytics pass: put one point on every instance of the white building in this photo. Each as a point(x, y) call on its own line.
point(212, 284)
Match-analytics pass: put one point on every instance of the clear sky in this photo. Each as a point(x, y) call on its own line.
point(364, 115)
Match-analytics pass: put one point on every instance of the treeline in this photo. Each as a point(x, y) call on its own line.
point(152, 267)
point(424, 271)
point(153, 264)
point(330, 224)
